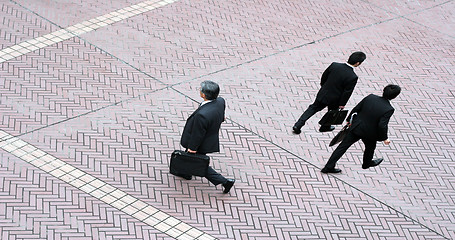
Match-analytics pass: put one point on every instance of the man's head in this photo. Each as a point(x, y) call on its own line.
point(357, 58)
point(209, 90)
point(391, 91)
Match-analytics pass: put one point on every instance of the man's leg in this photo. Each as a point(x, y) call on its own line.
point(370, 146)
point(214, 177)
point(347, 142)
point(312, 109)
point(217, 178)
point(328, 127)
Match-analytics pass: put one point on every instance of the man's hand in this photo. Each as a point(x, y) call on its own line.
point(341, 107)
point(191, 151)
point(387, 142)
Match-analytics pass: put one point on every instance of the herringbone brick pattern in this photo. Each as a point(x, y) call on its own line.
point(64, 81)
point(444, 16)
point(407, 7)
point(277, 195)
point(35, 205)
point(185, 41)
point(18, 25)
point(67, 13)
point(80, 28)
point(268, 100)
point(103, 103)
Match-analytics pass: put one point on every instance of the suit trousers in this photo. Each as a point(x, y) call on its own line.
point(212, 175)
point(351, 138)
point(312, 109)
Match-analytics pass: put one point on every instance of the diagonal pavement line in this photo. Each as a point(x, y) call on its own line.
point(415, 12)
point(283, 51)
point(273, 54)
point(397, 16)
point(80, 28)
point(89, 112)
point(328, 175)
point(341, 180)
point(336, 177)
point(303, 45)
point(89, 43)
point(100, 190)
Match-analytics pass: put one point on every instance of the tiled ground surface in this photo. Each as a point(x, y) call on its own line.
point(111, 103)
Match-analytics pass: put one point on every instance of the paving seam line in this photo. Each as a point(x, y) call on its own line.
point(100, 190)
point(79, 28)
point(93, 24)
point(83, 181)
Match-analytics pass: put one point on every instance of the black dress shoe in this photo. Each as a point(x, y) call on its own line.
point(373, 163)
point(296, 130)
point(330, 170)
point(228, 185)
point(326, 128)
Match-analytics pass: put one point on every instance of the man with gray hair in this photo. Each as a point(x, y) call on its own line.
point(201, 131)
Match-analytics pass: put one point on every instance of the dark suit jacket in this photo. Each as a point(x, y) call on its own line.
point(337, 84)
point(372, 119)
point(201, 131)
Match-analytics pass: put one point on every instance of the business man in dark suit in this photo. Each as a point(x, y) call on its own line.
point(370, 124)
point(337, 84)
point(201, 131)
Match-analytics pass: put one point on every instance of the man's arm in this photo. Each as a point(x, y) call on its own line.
point(197, 133)
point(356, 109)
point(347, 92)
point(383, 126)
point(325, 75)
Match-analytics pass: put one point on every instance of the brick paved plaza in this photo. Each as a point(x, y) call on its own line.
point(94, 96)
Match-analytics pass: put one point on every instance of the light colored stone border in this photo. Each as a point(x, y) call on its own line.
point(80, 28)
point(101, 190)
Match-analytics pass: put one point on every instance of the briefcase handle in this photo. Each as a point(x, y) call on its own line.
point(350, 119)
point(186, 150)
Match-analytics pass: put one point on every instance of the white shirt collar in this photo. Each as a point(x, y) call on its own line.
point(204, 102)
point(350, 65)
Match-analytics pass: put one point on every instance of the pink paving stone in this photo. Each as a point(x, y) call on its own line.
point(112, 117)
point(19, 25)
point(181, 41)
point(65, 14)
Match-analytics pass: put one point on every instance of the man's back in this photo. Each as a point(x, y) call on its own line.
point(337, 84)
point(373, 115)
point(201, 131)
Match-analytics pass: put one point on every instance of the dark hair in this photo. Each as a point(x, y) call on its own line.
point(391, 91)
point(210, 89)
point(357, 57)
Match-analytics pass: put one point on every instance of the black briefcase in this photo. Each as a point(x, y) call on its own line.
point(334, 117)
point(189, 163)
point(340, 135)
point(343, 132)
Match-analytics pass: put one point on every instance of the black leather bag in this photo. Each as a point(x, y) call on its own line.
point(189, 163)
point(343, 132)
point(340, 135)
point(334, 117)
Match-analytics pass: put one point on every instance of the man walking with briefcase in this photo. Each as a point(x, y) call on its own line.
point(369, 125)
point(337, 84)
point(201, 131)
